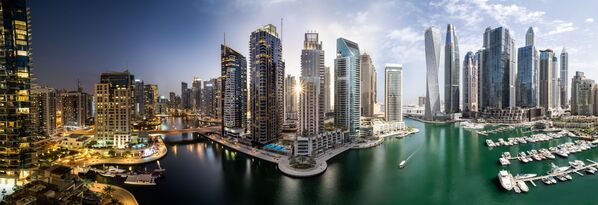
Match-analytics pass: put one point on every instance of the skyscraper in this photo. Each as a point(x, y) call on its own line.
point(498, 70)
point(555, 87)
point(267, 85)
point(185, 96)
point(393, 91)
point(76, 108)
point(43, 110)
point(15, 59)
point(582, 102)
point(432, 40)
point(470, 83)
point(114, 108)
point(311, 95)
point(527, 73)
point(529, 37)
point(151, 99)
point(545, 82)
point(564, 79)
point(139, 99)
point(347, 87)
point(451, 71)
point(208, 93)
point(196, 93)
point(291, 102)
point(234, 76)
point(327, 90)
point(368, 85)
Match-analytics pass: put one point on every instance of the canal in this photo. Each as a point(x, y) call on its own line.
point(452, 166)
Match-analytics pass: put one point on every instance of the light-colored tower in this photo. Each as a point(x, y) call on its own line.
point(545, 82)
point(368, 86)
point(582, 95)
point(327, 90)
point(114, 107)
point(290, 98)
point(393, 92)
point(312, 87)
point(266, 85)
point(347, 87)
point(451, 71)
point(432, 40)
point(234, 77)
point(529, 37)
point(564, 79)
point(555, 87)
point(470, 83)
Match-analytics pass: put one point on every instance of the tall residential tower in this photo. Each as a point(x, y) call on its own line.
point(311, 95)
point(234, 77)
point(451, 71)
point(347, 87)
point(432, 40)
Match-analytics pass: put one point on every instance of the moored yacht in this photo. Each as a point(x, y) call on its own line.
point(506, 180)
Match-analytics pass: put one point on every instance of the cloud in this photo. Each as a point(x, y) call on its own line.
point(590, 20)
point(406, 35)
point(562, 27)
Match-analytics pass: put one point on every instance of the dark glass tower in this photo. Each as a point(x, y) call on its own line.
point(267, 85)
point(15, 60)
point(234, 82)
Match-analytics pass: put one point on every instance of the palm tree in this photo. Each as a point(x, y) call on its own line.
point(108, 191)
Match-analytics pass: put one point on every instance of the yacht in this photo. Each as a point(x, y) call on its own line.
point(517, 190)
point(546, 181)
point(505, 179)
point(523, 186)
point(504, 161)
point(140, 179)
point(525, 176)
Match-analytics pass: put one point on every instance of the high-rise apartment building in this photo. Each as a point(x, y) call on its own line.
point(291, 102)
point(451, 71)
point(368, 85)
point(139, 98)
point(470, 83)
point(266, 85)
point(151, 96)
point(582, 95)
point(16, 137)
point(311, 92)
point(75, 108)
point(234, 77)
point(43, 110)
point(327, 90)
point(347, 89)
point(114, 109)
point(432, 41)
point(393, 92)
point(196, 94)
point(527, 73)
point(498, 71)
point(546, 72)
point(564, 79)
point(555, 88)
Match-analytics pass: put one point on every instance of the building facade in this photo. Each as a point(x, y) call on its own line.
point(393, 92)
point(347, 96)
point(114, 98)
point(546, 79)
point(368, 85)
point(470, 83)
point(291, 102)
point(327, 90)
point(234, 77)
point(498, 71)
point(75, 108)
point(43, 110)
point(312, 94)
point(16, 135)
point(451, 72)
point(139, 98)
point(266, 85)
point(527, 77)
point(564, 80)
point(582, 95)
point(555, 88)
point(432, 41)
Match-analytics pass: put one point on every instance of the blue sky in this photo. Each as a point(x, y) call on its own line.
point(165, 42)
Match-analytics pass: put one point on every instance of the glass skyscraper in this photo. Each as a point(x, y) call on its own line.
point(432, 40)
point(527, 73)
point(234, 99)
point(564, 79)
point(451, 71)
point(266, 85)
point(498, 70)
point(470, 83)
point(311, 96)
point(393, 92)
point(16, 132)
point(347, 87)
point(545, 82)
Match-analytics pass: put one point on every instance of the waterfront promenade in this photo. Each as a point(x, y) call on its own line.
point(162, 151)
point(122, 195)
point(382, 137)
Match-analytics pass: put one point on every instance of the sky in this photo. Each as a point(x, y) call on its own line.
point(165, 42)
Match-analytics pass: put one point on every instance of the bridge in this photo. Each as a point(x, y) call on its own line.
point(202, 130)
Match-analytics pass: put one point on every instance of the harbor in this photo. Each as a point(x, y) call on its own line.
point(540, 137)
point(518, 184)
point(562, 150)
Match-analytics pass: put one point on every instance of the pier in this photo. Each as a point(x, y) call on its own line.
point(553, 174)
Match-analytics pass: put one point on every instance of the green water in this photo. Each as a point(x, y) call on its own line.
point(453, 166)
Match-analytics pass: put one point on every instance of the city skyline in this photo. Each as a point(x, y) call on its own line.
point(386, 37)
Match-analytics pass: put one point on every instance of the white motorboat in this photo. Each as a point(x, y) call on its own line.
point(522, 186)
point(506, 180)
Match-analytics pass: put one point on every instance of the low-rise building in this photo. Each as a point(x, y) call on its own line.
point(319, 144)
point(513, 115)
point(75, 141)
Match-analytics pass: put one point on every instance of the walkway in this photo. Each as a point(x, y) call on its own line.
point(381, 138)
point(162, 151)
point(122, 195)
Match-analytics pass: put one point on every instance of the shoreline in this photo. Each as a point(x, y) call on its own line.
point(383, 138)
